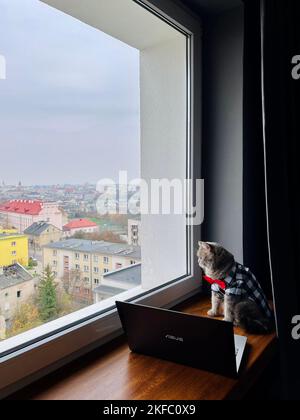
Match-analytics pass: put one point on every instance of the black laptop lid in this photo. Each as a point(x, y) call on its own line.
point(186, 339)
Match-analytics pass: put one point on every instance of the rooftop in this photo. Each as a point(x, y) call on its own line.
point(36, 229)
point(32, 208)
point(131, 275)
point(97, 247)
point(108, 291)
point(80, 224)
point(4, 236)
point(13, 275)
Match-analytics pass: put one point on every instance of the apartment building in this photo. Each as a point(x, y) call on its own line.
point(13, 249)
point(7, 231)
point(134, 230)
point(40, 234)
point(80, 225)
point(89, 260)
point(16, 287)
point(20, 214)
point(118, 282)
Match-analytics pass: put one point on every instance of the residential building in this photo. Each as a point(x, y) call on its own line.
point(134, 230)
point(13, 249)
point(21, 214)
point(118, 282)
point(80, 225)
point(40, 234)
point(7, 231)
point(83, 263)
point(16, 288)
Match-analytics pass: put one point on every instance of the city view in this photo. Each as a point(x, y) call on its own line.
point(58, 255)
point(69, 117)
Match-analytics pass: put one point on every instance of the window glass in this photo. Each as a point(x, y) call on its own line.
point(86, 108)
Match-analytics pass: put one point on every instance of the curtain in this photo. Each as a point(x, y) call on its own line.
point(272, 136)
point(255, 239)
point(281, 99)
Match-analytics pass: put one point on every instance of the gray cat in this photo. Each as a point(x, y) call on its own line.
point(236, 294)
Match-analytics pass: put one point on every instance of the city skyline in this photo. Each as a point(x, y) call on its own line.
point(69, 109)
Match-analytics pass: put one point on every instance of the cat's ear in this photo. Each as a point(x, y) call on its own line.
point(205, 245)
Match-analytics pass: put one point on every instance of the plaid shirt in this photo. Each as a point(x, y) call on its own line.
point(241, 282)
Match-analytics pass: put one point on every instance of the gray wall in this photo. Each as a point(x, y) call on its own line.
point(223, 130)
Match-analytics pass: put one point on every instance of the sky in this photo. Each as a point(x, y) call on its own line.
point(69, 108)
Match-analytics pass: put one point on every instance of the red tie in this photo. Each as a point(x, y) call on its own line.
point(220, 283)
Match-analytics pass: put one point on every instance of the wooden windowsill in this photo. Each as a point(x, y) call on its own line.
point(113, 373)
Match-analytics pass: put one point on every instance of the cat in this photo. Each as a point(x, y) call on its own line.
point(236, 294)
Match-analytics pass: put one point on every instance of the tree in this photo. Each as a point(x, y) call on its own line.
point(107, 236)
point(75, 286)
point(25, 318)
point(32, 263)
point(65, 305)
point(47, 296)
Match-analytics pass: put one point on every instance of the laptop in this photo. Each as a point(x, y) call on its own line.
point(198, 342)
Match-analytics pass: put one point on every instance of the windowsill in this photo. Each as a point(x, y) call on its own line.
point(50, 328)
point(113, 373)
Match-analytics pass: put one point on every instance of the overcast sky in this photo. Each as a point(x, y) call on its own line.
point(69, 109)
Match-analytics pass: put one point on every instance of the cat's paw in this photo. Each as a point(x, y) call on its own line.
point(212, 314)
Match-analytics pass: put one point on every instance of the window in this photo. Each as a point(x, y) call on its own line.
point(96, 259)
point(13, 244)
point(96, 270)
point(54, 263)
point(14, 253)
point(96, 281)
point(122, 91)
point(19, 294)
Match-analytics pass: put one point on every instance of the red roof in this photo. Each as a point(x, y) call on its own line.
point(33, 208)
point(80, 224)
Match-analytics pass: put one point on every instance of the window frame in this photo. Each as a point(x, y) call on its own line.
point(22, 366)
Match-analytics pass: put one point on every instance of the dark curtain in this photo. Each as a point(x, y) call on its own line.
point(255, 238)
point(281, 96)
point(276, 103)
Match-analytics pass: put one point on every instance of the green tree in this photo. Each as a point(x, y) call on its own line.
point(47, 296)
point(25, 318)
point(32, 263)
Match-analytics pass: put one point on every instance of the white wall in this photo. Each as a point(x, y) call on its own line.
point(163, 145)
point(122, 19)
point(223, 131)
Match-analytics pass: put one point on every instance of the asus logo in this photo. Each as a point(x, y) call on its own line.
point(173, 338)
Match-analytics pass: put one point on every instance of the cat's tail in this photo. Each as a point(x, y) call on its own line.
point(249, 317)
